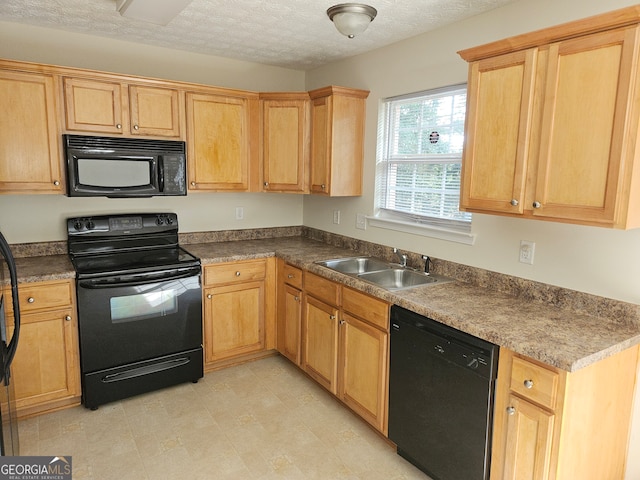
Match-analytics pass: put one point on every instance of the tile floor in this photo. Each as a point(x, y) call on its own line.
point(260, 420)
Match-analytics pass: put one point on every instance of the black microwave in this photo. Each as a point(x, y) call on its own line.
point(124, 167)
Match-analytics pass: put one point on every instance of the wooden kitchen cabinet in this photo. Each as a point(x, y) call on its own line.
point(552, 122)
point(285, 126)
point(363, 357)
point(238, 310)
point(289, 309)
point(346, 345)
point(222, 140)
point(337, 140)
point(555, 425)
point(46, 370)
point(111, 106)
point(29, 141)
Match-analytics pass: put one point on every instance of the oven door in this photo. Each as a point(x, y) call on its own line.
point(129, 318)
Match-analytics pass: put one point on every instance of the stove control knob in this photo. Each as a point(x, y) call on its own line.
point(169, 220)
point(90, 224)
point(77, 224)
point(159, 220)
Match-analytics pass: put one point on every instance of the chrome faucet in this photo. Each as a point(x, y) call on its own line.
point(403, 257)
point(427, 264)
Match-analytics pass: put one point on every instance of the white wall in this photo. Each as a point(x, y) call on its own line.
point(589, 259)
point(37, 218)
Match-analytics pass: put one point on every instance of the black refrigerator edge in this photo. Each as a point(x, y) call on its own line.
point(9, 444)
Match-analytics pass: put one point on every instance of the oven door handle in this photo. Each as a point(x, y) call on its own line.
point(139, 278)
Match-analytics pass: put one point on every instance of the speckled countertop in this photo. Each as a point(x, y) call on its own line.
point(557, 336)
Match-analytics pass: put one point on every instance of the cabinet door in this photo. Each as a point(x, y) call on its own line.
point(219, 146)
point(320, 346)
point(95, 106)
point(529, 441)
point(498, 124)
point(234, 320)
point(587, 98)
point(29, 143)
point(46, 369)
point(321, 111)
point(154, 111)
point(285, 143)
point(289, 323)
point(363, 367)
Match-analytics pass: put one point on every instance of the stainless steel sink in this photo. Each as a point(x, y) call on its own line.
point(401, 278)
point(356, 265)
point(382, 273)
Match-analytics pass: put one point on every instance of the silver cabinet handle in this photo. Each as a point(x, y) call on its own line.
point(342, 322)
point(31, 300)
point(528, 384)
point(332, 317)
point(56, 182)
point(514, 202)
point(68, 318)
point(135, 127)
point(323, 186)
point(511, 410)
point(290, 275)
point(237, 274)
point(193, 184)
point(537, 204)
point(209, 296)
point(266, 184)
point(118, 126)
point(296, 298)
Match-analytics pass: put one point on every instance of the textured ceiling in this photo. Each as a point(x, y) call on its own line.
point(287, 33)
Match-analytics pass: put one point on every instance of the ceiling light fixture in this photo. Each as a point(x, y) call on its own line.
point(351, 19)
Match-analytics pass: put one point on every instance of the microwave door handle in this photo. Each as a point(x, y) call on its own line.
point(161, 173)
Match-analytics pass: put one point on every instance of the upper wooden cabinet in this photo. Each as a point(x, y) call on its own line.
point(114, 107)
point(284, 132)
point(222, 140)
point(337, 140)
point(29, 141)
point(552, 122)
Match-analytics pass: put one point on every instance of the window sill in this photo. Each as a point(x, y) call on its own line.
point(424, 230)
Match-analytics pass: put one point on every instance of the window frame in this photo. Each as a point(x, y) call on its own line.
point(447, 229)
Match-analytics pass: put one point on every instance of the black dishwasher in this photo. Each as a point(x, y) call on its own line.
point(441, 388)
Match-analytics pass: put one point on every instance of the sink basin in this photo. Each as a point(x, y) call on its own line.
point(400, 278)
point(356, 265)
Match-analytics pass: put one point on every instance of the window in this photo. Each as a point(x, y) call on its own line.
point(420, 140)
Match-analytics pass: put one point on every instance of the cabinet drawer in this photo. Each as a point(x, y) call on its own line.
point(42, 296)
point(534, 382)
point(366, 308)
point(234, 272)
point(292, 276)
point(322, 289)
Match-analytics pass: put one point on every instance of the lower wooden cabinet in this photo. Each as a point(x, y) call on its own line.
point(345, 346)
point(289, 307)
point(238, 310)
point(555, 425)
point(46, 370)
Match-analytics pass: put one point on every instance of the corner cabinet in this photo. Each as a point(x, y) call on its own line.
point(222, 140)
point(29, 142)
point(239, 316)
point(46, 370)
point(337, 140)
point(550, 424)
point(111, 106)
point(552, 122)
point(289, 310)
point(284, 133)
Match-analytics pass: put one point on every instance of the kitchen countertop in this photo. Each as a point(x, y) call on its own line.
point(556, 336)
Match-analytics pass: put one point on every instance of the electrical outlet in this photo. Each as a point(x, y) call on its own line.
point(361, 221)
point(239, 213)
point(336, 217)
point(527, 249)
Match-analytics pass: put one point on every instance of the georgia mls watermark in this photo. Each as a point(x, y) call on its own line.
point(35, 468)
